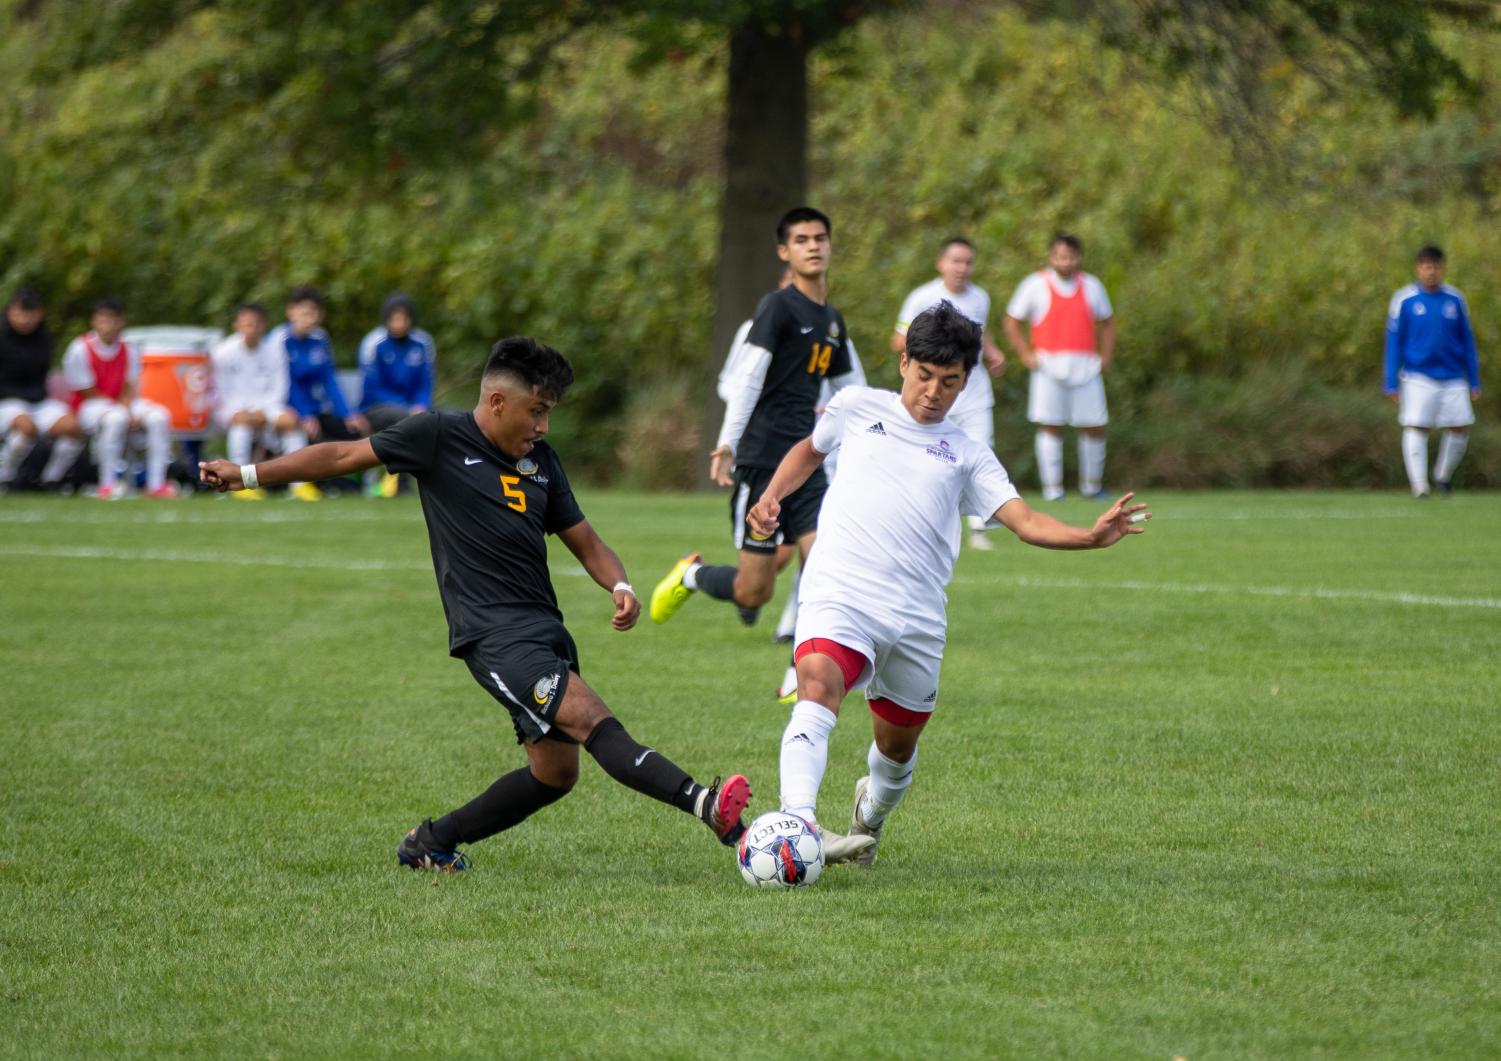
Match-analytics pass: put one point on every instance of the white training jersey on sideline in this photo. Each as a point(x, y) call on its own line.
point(887, 533)
point(974, 303)
point(246, 379)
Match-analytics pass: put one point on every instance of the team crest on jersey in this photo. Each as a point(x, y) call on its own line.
point(1419, 309)
point(526, 466)
point(944, 452)
point(543, 691)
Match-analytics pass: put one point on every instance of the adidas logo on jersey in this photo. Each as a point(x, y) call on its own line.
point(875, 429)
point(931, 697)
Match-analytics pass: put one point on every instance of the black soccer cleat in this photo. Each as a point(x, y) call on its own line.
point(419, 850)
point(1445, 489)
point(720, 807)
point(748, 616)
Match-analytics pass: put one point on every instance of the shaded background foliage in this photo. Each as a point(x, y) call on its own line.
point(188, 156)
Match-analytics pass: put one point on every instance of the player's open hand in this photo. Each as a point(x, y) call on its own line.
point(1119, 520)
point(627, 610)
point(764, 517)
point(221, 475)
point(721, 464)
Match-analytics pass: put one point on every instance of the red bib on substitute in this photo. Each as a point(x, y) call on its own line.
point(1068, 327)
point(109, 372)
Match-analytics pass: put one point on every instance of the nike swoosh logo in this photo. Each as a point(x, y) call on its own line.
point(642, 757)
point(473, 460)
point(806, 330)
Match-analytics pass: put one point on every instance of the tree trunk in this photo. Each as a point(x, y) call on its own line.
point(766, 165)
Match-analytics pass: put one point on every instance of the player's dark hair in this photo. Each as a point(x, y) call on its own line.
point(398, 300)
point(306, 293)
point(534, 363)
point(944, 336)
point(1068, 239)
point(1429, 252)
point(960, 240)
point(251, 307)
point(110, 304)
point(796, 216)
point(26, 297)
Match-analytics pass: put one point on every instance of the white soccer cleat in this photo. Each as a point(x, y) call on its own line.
point(837, 849)
point(979, 541)
point(858, 827)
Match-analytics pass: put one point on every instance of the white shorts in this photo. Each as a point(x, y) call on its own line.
point(903, 654)
point(1066, 405)
point(976, 421)
point(223, 415)
point(1427, 402)
point(44, 413)
point(92, 412)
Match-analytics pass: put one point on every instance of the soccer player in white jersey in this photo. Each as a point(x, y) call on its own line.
point(1072, 344)
point(250, 389)
point(873, 603)
point(974, 411)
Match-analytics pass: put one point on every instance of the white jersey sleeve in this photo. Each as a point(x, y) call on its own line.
point(987, 487)
point(1099, 301)
point(1031, 299)
point(76, 368)
point(916, 301)
point(732, 365)
point(828, 430)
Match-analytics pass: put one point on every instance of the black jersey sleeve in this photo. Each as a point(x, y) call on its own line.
point(408, 445)
point(562, 507)
point(766, 325)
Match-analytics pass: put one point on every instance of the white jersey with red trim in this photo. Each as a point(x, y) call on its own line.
point(888, 533)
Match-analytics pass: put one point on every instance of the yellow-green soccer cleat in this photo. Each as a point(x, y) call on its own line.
point(670, 593)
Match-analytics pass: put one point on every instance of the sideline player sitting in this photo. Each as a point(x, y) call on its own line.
point(492, 491)
point(25, 410)
point(396, 371)
point(250, 385)
point(103, 370)
point(872, 612)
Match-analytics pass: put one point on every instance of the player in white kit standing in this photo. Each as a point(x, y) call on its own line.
point(873, 606)
point(1072, 344)
point(974, 412)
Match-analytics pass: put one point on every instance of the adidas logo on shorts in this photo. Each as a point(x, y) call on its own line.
point(875, 429)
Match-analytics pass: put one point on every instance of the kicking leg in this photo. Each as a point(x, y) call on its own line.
point(891, 760)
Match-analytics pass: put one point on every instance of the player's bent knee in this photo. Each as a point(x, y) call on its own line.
point(554, 763)
point(581, 711)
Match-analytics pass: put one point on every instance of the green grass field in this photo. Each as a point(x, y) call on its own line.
point(1229, 790)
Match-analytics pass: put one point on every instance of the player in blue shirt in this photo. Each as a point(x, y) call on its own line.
point(396, 368)
point(1432, 371)
point(314, 387)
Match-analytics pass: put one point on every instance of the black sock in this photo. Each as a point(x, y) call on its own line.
point(508, 802)
point(639, 767)
point(717, 580)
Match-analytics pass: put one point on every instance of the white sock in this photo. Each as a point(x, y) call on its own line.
point(291, 442)
point(889, 781)
point(158, 447)
point(787, 624)
point(690, 577)
point(805, 756)
point(1091, 464)
point(1451, 448)
point(17, 446)
point(1050, 462)
point(976, 523)
point(112, 445)
point(65, 450)
point(237, 441)
point(1415, 456)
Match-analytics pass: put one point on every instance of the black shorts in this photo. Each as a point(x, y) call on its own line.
point(526, 669)
point(799, 508)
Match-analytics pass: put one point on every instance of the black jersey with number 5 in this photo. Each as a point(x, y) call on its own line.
point(488, 518)
point(807, 342)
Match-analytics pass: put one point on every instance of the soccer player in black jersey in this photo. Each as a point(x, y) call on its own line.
point(795, 341)
point(491, 491)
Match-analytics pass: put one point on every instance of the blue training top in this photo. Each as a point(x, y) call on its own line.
point(1428, 332)
point(397, 371)
point(310, 366)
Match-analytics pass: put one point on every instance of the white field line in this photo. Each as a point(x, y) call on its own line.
point(124, 514)
point(86, 552)
point(183, 556)
point(1290, 592)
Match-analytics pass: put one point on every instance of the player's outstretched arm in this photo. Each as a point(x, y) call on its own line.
point(802, 460)
point(605, 568)
point(327, 460)
point(1041, 529)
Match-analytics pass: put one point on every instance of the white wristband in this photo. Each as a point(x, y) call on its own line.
point(622, 586)
point(248, 476)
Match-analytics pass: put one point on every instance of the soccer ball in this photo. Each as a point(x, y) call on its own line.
point(780, 850)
